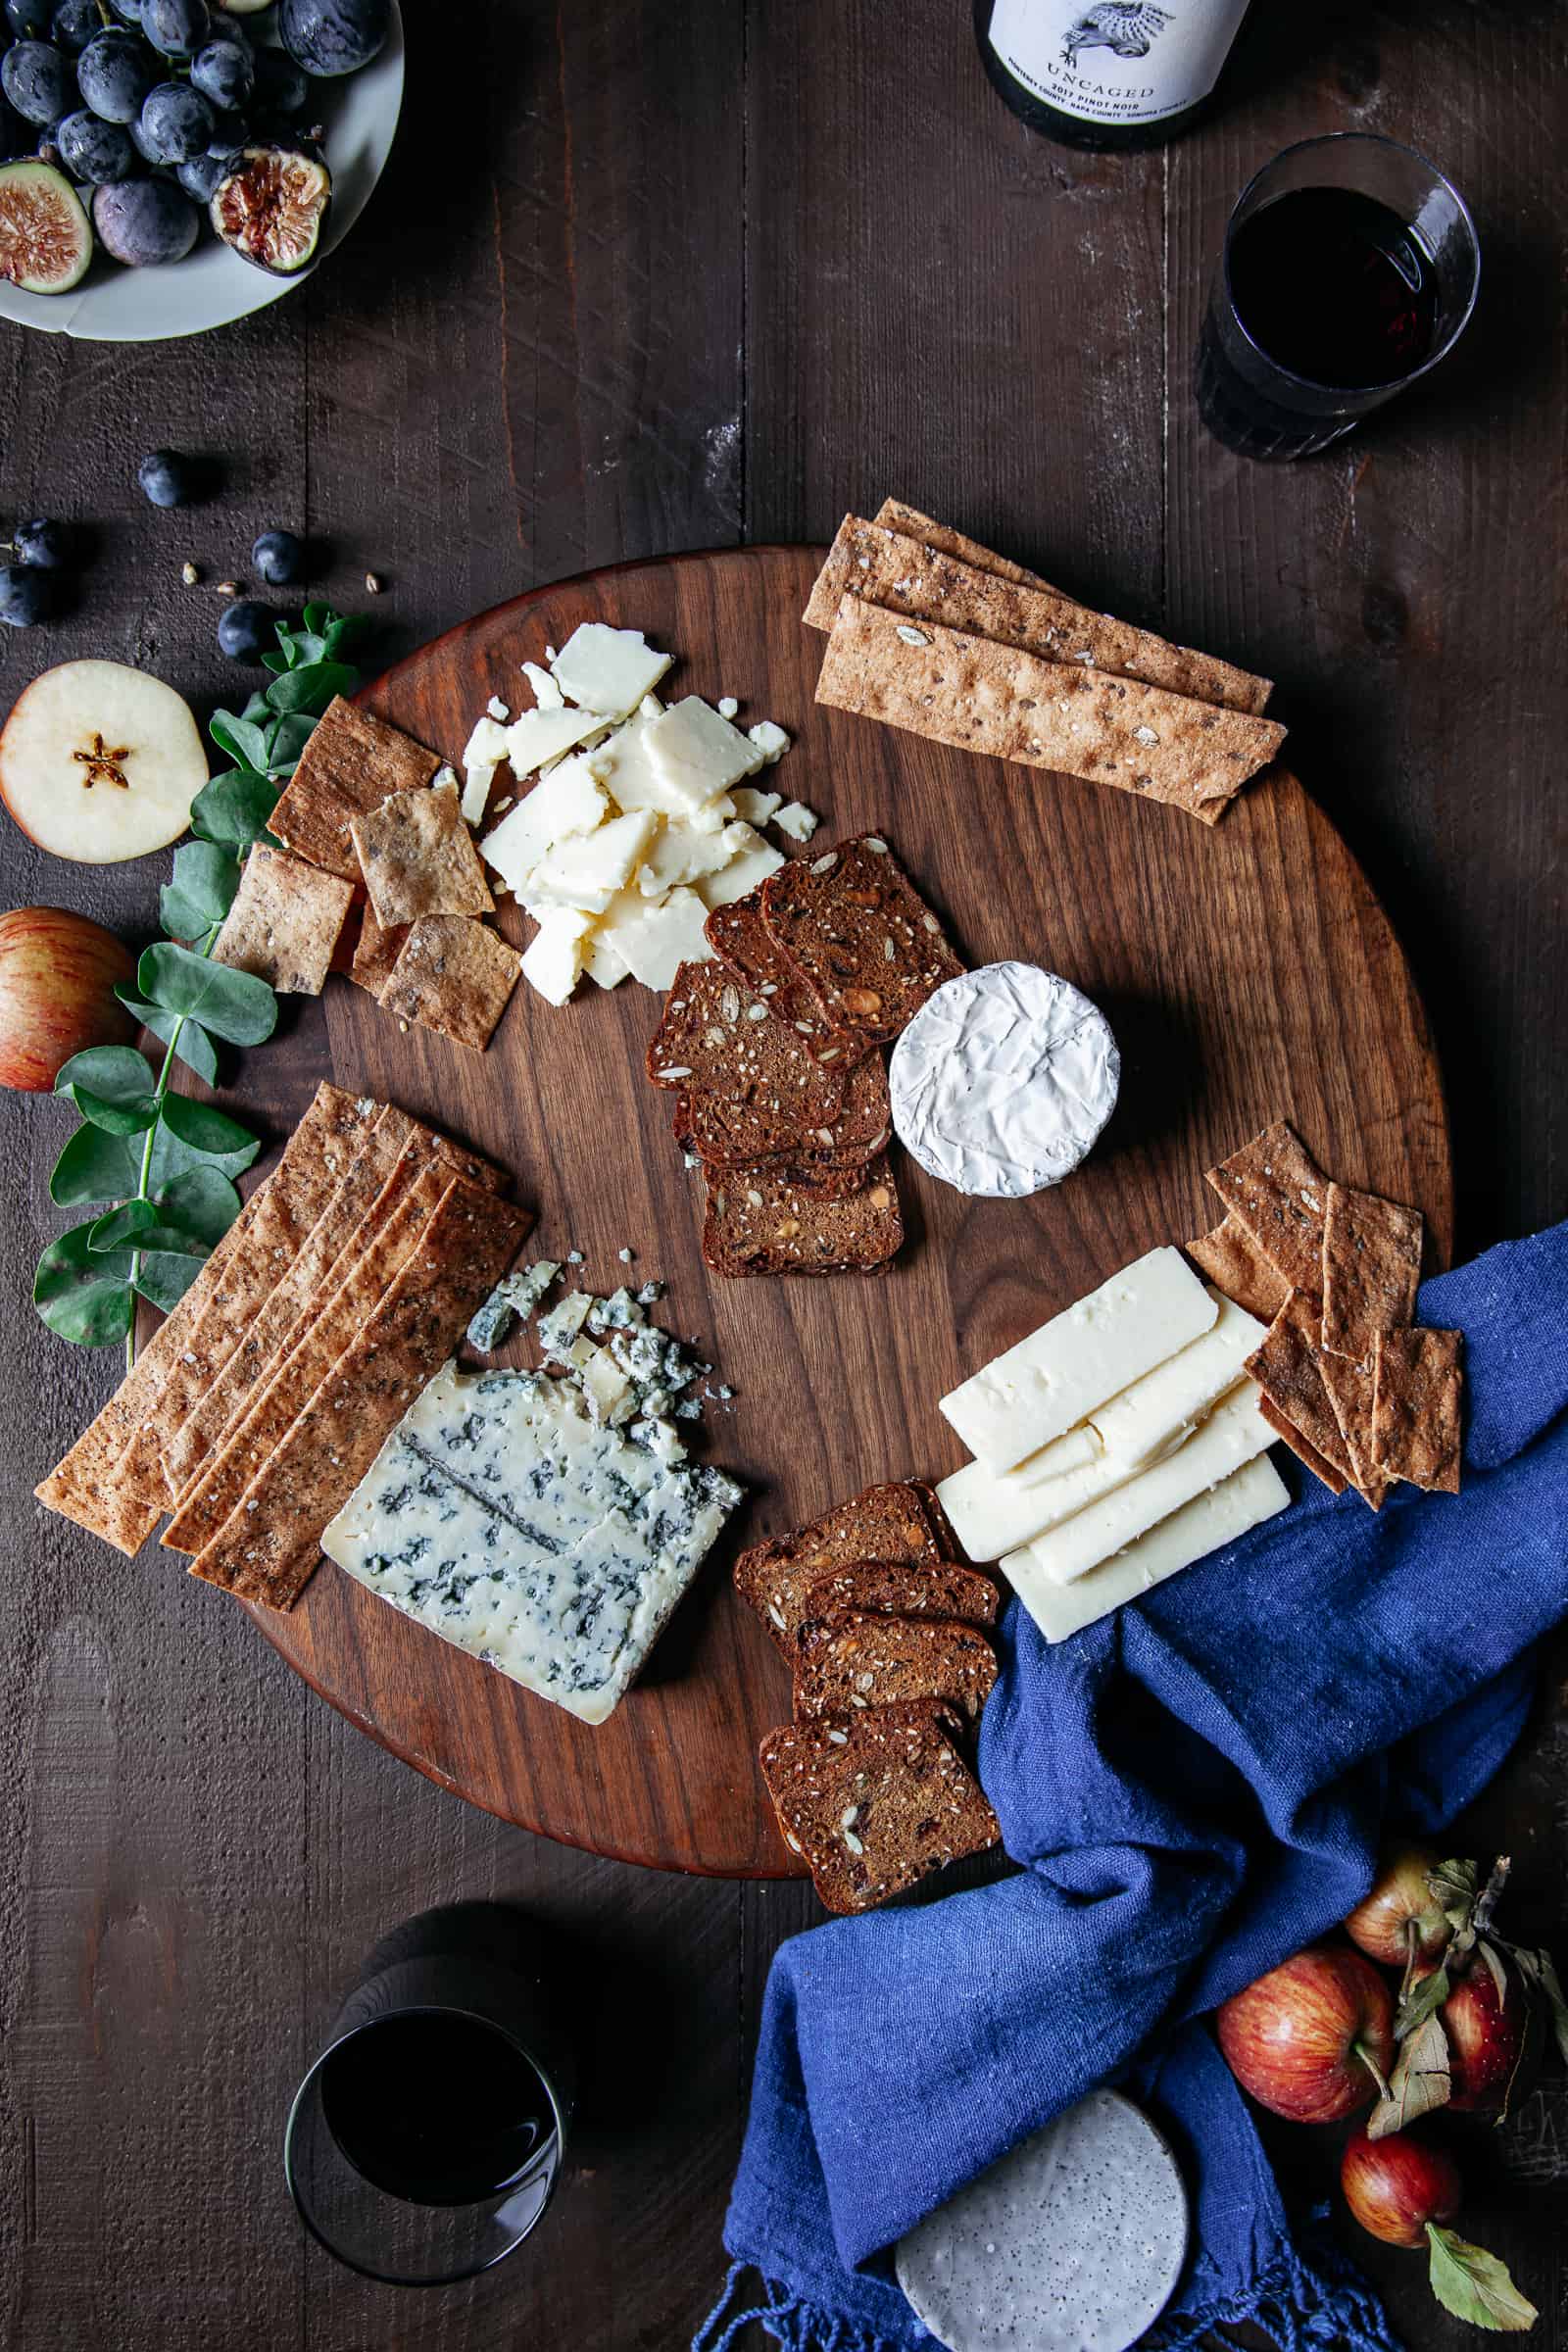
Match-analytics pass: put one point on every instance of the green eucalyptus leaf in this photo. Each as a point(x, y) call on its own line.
point(201, 1128)
point(205, 878)
point(202, 1203)
point(95, 1167)
point(114, 1074)
point(118, 1228)
point(115, 1119)
point(341, 632)
point(172, 1158)
point(1475, 2286)
point(274, 663)
point(190, 1040)
point(164, 1280)
point(256, 712)
point(289, 737)
point(312, 688)
point(235, 808)
point(241, 738)
point(235, 1005)
point(316, 617)
point(83, 1297)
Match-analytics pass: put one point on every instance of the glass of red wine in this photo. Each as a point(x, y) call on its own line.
point(425, 2143)
point(1350, 269)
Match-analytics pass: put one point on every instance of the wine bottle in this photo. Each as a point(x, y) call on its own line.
point(1106, 72)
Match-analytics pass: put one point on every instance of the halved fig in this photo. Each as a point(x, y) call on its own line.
point(272, 206)
point(45, 237)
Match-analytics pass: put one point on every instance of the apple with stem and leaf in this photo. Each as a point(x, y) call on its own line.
point(1406, 2189)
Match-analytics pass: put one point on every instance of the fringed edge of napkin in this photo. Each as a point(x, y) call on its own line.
point(792, 2322)
point(1319, 2305)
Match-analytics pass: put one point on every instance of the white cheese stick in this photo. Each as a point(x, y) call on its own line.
point(1234, 1432)
point(1051, 1379)
point(1243, 1500)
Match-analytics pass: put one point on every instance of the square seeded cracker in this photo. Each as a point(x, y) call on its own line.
point(1287, 1368)
point(284, 922)
point(1236, 1265)
point(350, 764)
point(1371, 1269)
point(417, 857)
point(886, 1525)
point(875, 1802)
point(860, 934)
point(455, 975)
point(1276, 1190)
point(376, 953)
point(1350, 1382)
point(1416, 1417)
point(765, 1222)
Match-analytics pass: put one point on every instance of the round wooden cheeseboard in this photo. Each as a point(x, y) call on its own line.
point(1249, 975)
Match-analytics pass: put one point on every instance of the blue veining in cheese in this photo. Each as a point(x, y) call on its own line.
point(502, 1517)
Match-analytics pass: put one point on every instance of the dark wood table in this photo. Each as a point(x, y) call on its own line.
point(642, 279)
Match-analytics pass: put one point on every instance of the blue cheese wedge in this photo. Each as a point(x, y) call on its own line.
point(501, 1516)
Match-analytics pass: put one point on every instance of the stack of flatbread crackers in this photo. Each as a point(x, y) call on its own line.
point(888, 1643)
point(347, 1281)
point(369, 812)
point(1351, 1384)
point(775, 1053)
point(930, 631)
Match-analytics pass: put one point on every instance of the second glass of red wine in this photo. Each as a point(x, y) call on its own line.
point(1349, 269)
point(425, 2143)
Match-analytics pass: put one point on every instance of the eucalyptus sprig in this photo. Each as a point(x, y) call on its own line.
point(163, 1164)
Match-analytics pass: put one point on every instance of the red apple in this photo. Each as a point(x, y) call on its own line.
point(1394, 2186)
point(1494, 2043)
point(1314, 2038)
point(57, 993)
point(1399, 1919)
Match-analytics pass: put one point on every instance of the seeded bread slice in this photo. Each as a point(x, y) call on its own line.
point(766, 1221)
point(747, 1088)
point(858, 930)
point(867, 1660)
point(875, 1802)
point(888, 1524)
point(721, 1127)
point(740, 938)
point(872, 1588)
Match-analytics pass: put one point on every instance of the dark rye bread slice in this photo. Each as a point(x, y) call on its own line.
point(874, 1802)
point(769, 1221)
point(889, 1525)
point(717, 1129)
point(740, 938)
point(854, 927)
point(749, 1089)
point(868, 1660)
point(873, 1589)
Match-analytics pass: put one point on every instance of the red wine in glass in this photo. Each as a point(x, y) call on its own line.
point(1349, 267)
point(434, 2106)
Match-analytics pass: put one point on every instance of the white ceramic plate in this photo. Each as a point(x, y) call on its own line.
point(1073, 2242)
point(213, 285)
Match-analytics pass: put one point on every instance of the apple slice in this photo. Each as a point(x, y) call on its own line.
point(100, 762)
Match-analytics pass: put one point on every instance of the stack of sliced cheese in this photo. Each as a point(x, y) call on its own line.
point(1117, 1444)
point(642, 818)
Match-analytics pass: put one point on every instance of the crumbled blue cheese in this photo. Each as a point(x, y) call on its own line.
point(559, 1329)
point(501, 1516)
point(620, 1311)
point(512, 1301)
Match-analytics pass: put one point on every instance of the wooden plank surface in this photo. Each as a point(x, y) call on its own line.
point(690, 277)
point(1307, 1012)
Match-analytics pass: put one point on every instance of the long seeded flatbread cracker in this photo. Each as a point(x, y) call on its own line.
point(1416, 1417)
point(1303, 1448)
point(947, 542)
point(905, 575)
point(267, 1550)
point(84, 1485)
point(1371, 1270)
point(96, 1484)
point(386, 1234)
point(301, 1285)
point(315, 1155)
point(1006, 704)
point(1286, 1367)
point(1349, 1383)
point(1236, 1265)
point(1275, 1189)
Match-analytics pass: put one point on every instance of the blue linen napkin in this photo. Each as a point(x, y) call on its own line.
point(1197, 1786)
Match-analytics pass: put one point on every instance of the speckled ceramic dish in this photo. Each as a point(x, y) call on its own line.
point(1073, 2242)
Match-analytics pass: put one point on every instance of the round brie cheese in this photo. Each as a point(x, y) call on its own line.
point(1003, 1081)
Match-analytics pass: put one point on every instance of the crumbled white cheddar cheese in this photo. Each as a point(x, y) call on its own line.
point(608, 670)
point(547, 694)
point(552, 962)
point(753, 805)
point(682, 854)
point(754, 860)
point(475, 792)
point(498, 710)
point(603, 966)
point(771, 740)
point(486, 745)
point(654, 941)
point(695, 750)
point(538, 735)
point(727, 705)
point(566, 803)
point(586, 872)
point(797, 820)
point(443, 776)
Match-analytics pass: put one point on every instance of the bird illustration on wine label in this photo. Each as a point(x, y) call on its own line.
point(1127, 27)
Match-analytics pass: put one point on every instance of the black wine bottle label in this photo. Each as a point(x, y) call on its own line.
point(1115, 62)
